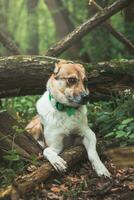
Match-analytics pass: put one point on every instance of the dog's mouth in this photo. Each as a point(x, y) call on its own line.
point(78, 100)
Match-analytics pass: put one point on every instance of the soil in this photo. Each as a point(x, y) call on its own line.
point(81, 183)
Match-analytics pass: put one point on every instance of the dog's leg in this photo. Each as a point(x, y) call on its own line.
point(54, 142)
point(89, 142)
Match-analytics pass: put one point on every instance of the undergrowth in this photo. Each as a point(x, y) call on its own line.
point(112, 119)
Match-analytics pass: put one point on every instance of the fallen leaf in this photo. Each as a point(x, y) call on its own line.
point(55, 189)
point(129, 184)
point(52, 196)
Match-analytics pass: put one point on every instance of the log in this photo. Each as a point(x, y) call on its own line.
point(118, 35)
point(27, 75)
point(87, 26)
point(10, 138)
point(121, 156)
point(26, 183)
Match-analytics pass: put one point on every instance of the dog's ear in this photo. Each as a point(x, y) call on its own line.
point(56, 69)
point(58, 66)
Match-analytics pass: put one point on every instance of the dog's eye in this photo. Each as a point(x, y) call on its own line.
point(72, 80)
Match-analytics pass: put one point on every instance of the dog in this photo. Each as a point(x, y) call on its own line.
point(62, 110)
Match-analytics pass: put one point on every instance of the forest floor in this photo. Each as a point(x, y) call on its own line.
point(81, 183)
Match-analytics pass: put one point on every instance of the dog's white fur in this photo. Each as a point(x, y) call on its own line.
point(57, 124)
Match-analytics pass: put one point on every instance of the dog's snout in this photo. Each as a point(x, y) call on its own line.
point(85, 95)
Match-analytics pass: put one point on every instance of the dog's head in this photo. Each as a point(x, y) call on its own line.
point(68, 84)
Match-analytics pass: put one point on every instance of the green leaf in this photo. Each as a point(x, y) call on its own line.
point(121, 127)
point(131, 136)
point(120, 134)
point(127, 121)
point(12, 156)
point(109, 134)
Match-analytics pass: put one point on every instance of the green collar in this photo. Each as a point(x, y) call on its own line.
point(60, 107)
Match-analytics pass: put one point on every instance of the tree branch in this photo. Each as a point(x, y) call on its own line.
point(9, 44)
point(64, 26)
point(119, 36)
point(87, 26)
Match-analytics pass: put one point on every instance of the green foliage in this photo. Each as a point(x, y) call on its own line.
point(12, 155)
point(114, 119)
point(6, 176)
point(11, 164)
point(24, 107)
point(99, 44)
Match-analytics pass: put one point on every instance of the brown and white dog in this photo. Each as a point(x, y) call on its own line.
point(62, 110)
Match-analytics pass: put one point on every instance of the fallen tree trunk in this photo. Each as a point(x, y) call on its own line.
point(27, 75)
point(87, 26)
point(26, 183)
point(13, 136)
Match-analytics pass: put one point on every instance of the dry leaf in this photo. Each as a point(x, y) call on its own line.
point(55, 189)
point(129, 184)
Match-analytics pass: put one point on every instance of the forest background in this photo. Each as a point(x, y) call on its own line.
point(36, 25)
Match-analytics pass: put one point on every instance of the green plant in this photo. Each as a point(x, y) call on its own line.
point(114, 119)
point(12, 155)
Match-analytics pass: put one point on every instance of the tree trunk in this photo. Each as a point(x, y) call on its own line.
point(27, 75)
point(87, 26)
point(129, 19)
point(64, 26)
point(11, 138)
point(129, 22)
point(32, 27)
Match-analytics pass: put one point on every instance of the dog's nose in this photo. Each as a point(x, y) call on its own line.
point(84, 97)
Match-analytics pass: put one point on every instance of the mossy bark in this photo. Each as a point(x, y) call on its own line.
point(27, 75)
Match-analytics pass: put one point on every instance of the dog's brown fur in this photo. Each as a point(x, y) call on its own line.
point(67, 81)
point(64, 71)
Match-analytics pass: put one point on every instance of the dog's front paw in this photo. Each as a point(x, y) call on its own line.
point(56, 161)
point(102, 171)
point(59, 164)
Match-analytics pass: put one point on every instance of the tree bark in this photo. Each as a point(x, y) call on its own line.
point(64, 26)
point(27, 75)
point(87, 26)
point(119, 36)
point(26, 183)
point(10, 138)
point(9, 44)
point(32, 27)
point(129, 19)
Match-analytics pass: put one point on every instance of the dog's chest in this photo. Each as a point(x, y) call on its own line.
point(55, 119)
point(61, 120)
point(69, 123)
